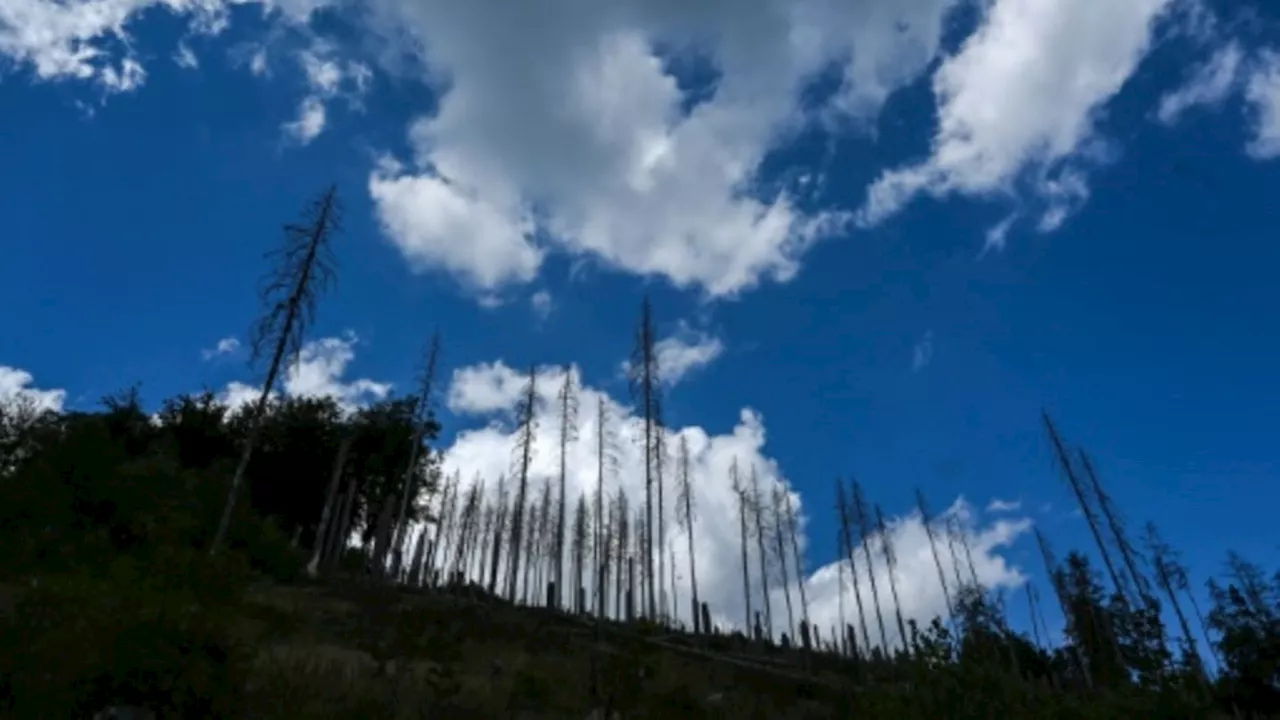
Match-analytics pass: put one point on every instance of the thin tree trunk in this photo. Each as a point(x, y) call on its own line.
point(846, 527)
point(933, 547)
point(526, 458)
point(741, 494)
point(756, 503)
point(864, 527)
point(689, 519)
point(778, 526)
point(891, 564)
point(322, 530)
point(793, 530)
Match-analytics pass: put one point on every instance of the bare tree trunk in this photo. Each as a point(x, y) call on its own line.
point(499, 534)
point(846, 526)
point(601, 547)
point(659, 463)
point(933, 547)
point(741, 494)
point(778, 529)
point(793, 530)
point(1116, 524)
point(864, 528)
point(685, 517)
point(322, 530)
point(1078, 489)
point(761, 530)
point(303, 267)
point(644, 382)
point(891, 564)
point(525, 446)
point(340, 538)
point(419, 431)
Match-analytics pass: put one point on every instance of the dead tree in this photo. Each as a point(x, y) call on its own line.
point(568, 406)
point(933, 548)
point(469, 526)
point(1055, 578)
point(793, 530)
point(643, 374)
point(685, 517)
point(605, 458)
point(1078, 489)
point(338, 545)
point(499, 533)
point(761, 529)
point(326, 515)
point(421, 424)
point(581, 539)
point(1171, 576)
point(891, 565)
point(541, 563)
point(303, 269)
point(864, 529)
point(1115, 523)
point(779, 529)
point(740, 492)
point(622, 539)
point(439, 545)
point(524, 451)
point(948, 529)
point(659, 466)
point(846, 528)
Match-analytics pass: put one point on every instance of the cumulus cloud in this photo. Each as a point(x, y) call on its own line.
point(225, 346)
point(1263, 95)
point(318, 372)
point(1023, 94)
point(570, 108)
point(1208, 84)
point(16, 389)
point(493, 390)
point(922, 353)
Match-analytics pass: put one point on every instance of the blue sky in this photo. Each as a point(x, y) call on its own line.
point(816, 213)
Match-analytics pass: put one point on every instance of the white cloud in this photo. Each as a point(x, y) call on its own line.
point(1023, 93)
point(997, 505)
point(685, 352)
point(318, 372)
point(1263, 94)
point(326, 78)
point(492, 388)
point(185, 57)
point(225, 346)
point(998, 234)
point(541, 303)
point(89, 39)
point(1208, 84)
point(485, 388)
point(922, 353)
point(15, 388)
point(566, 107)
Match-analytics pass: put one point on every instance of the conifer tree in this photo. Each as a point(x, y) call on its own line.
point(891, 566)
point(685, 517)
point(303, 269)
point(933, 548)
point(568, 406)
point(425, 417)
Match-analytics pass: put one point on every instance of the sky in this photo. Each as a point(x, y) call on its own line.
point(880, 236)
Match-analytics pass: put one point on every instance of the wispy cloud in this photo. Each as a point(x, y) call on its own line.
point(922, 353)
point(225, 346)
point(997, 505)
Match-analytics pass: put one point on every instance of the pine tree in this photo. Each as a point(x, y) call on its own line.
point(303, 269)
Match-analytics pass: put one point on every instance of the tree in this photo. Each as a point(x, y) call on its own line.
point(686, 517)
point(933, 548)
point(779, 529)
point(303, 269)
point(864, 527)
point(568, 406)
point(423, 422)
point(793, 531)
point(846, 525)
point(891, 565)
point(643, 375)
point(524, 451)
point(740, 493)
point(762, 531)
